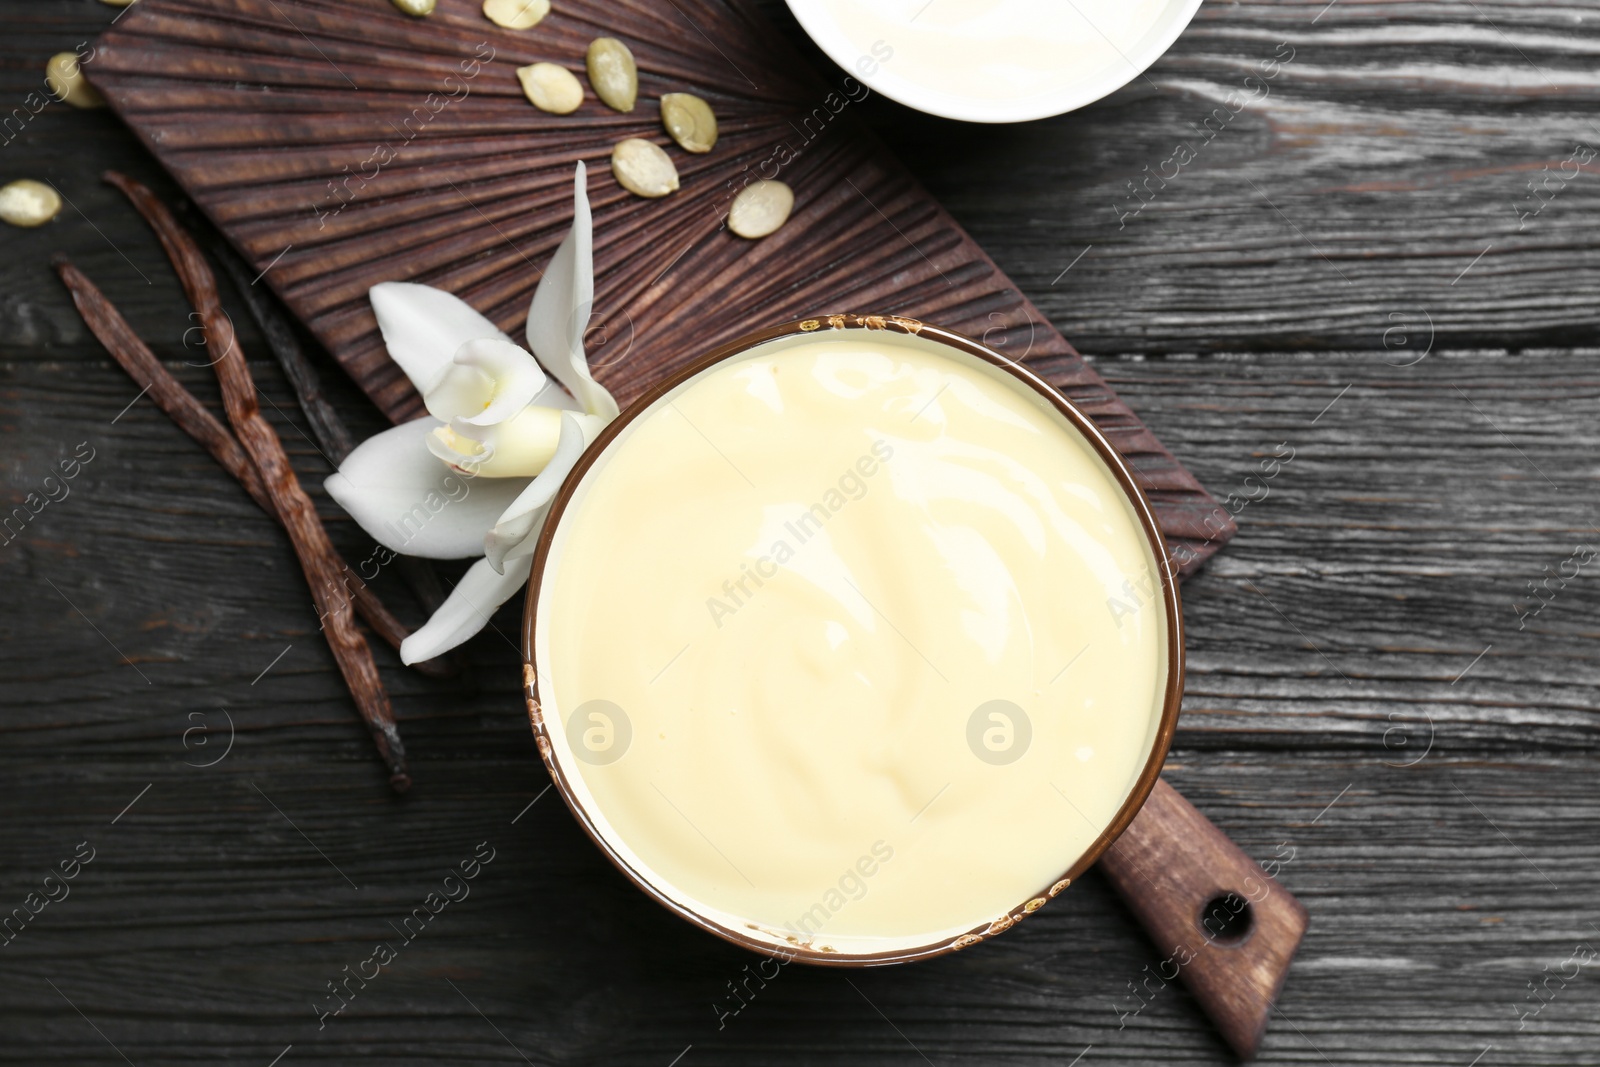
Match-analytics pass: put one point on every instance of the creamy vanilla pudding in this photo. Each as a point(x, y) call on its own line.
point(851, 642)
point(994, 60)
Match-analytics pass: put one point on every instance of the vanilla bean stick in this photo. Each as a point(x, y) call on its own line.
point(327, 427)
point(192, 417)
point(180, 405)
point(261, 444)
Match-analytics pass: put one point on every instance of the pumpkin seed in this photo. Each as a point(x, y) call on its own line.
point(643, 168)
point(64, 75)
point(551, 88)
point(29, 203)
point(516, 14)
point(690, 121)
point(760, 208)
point(415, 8)
point(613, 73)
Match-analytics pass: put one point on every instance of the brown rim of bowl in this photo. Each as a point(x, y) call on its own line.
point(1085, 426)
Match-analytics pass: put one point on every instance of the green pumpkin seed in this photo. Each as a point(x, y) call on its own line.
point(28, 203)
point(760, 208)
point(690, 121)
point(516, 14)
point(64, 75)
point(613, 73)
point(643, 168)
point(551, 88)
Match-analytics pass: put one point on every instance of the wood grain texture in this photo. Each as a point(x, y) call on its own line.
point(1439, 807)
point(196, 420)
point(340, 144)
point(1228, 929)
point(215, 925)
point(323, 568)
point(1346, 196)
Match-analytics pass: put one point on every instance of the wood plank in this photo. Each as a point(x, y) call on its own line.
point(1396, 540)
point(1391, 574)
point(438, 173)
point(1400, 140)
point(1356, 184)
point(1423, 915)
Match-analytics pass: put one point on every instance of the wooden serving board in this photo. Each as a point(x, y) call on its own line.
point(340, 143)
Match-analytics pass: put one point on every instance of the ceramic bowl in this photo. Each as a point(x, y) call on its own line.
point(546, 718)
point(873, 62)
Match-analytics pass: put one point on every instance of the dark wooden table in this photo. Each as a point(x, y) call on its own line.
point(1388, 691)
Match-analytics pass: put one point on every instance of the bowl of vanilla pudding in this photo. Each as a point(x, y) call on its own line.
point(854, 642)
point(994, 60)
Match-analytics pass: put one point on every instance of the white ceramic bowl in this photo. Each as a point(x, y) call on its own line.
point(861, 50)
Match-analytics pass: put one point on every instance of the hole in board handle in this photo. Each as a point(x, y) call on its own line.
point(1227, 920)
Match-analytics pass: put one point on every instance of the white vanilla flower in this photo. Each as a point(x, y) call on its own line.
point(476, 476)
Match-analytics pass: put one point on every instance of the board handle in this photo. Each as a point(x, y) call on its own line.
point(1219, 921)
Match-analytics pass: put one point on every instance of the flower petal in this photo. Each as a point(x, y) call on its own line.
point(559, 314)
point(467, 609)
point(412, 503)
point(461, 389)
point(488, 381)
point(423, 328)
point(520, 447)
point(513, 536)
point(555, 395)
point(459, 451)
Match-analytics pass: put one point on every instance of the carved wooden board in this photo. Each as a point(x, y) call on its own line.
point(340, 143)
